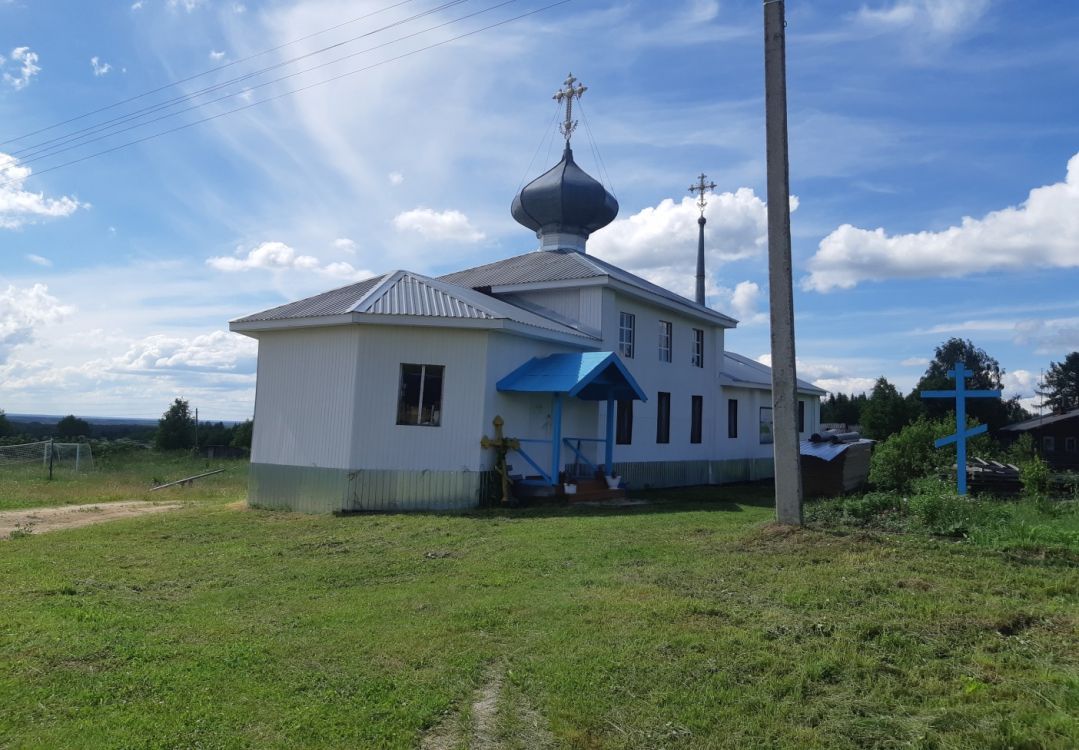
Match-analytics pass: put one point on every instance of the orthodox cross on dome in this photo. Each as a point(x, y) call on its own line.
point(567, 95)
point(960, 394)
point(702, 187)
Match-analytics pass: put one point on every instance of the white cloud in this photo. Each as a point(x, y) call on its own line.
point(448, 226)
point(216, 56)
point(137, 5)
point(22, 311)
point(277, 256)
point(219, 351)
point(345, 244)
point(187, 5)
point(1056, 336)
point(395, 178)
point(850, 386)
point(39, 260)
point(27, 68)
point(743, 302)
point(1043, 231)
point(915, 362)
point(938, 17)
point(826, 375)
point(18, 206)
point(99, 68)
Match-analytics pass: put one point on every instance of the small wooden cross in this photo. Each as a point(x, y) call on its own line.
point(502, 445)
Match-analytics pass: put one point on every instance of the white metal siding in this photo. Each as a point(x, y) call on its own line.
point(303, 397)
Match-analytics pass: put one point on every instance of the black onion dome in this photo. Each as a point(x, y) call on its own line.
point(564, 200)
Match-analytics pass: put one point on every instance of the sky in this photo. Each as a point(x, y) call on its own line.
point(934, 161)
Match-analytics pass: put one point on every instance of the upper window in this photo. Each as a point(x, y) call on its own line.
point(801, 416)
point(664, 341)
point(1069, 444)
point(1049, 443)
point(419, 398)
point(663, 418)
point(732, 417)
point(627, 325)
point(624, 423)
point(696, 418)
point(698, 347)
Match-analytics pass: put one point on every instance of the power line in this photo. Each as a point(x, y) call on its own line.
point(206, 72)
point(294, 91)
point(20, 155)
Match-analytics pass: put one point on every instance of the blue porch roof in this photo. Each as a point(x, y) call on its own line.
point(592, 376)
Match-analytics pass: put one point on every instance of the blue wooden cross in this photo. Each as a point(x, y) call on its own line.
point(961, 394)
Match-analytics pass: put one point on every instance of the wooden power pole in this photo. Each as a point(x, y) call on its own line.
point(788, 468)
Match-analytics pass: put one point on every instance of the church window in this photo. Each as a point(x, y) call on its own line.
point(663, 418)
point(419, 398)
point(624, 423)
point(801, 416)
point(664, 341)
point(732, 417)
point(627, 325)
point(698, 347)
point(696, 421)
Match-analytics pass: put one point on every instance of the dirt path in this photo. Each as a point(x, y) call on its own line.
point(40, 520)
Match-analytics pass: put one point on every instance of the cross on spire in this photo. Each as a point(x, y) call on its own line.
point(567, 95)
point(702, 187)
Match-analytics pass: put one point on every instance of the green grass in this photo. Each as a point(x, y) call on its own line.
point(690, 623)
point(122, 477)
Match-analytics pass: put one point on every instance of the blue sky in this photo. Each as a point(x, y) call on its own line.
point(930, 150)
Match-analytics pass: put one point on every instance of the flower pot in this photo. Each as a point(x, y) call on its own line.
point(613, 482)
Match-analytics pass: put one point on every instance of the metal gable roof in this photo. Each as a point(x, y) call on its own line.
point(592, 376)
point(333, 302)
point(1036, 422)
point(743, 371)
point(551, 265)
point(410, 294)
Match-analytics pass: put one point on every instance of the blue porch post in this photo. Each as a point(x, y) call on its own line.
point(609, 447)
point(556, 438)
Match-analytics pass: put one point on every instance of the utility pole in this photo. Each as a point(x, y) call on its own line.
point(788, 470)
point(196, 430)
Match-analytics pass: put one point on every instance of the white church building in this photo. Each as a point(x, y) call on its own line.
point(376, 395)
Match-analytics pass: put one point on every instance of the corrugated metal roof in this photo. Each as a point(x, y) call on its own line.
point(1036, 422)
point(827, 450)
point(333, 302)
point(739, 370)
point(552, 265)
point(587, 375)
point(411, 294)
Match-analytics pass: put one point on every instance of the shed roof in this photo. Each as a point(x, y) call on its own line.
point(1036, 422)
point(542, 266)
point(592, 376)
point(748, 373)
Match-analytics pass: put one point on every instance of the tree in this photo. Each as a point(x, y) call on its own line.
point(72, 427)
point(843, 409)
point(5, 426)
point(886, 412)
point(1060, 386)
point(987, 376)
point(176, 428)
point(241, 434)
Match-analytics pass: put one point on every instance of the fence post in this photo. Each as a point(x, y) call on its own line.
point(78, 455)
point(51, 452)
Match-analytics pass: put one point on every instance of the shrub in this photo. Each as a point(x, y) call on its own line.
point(911, 454)
point(1034, 474)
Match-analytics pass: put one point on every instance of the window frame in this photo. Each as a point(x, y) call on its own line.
point(663, 418)
point(801, 415)
point(732, 418)
point(627, 343)
point(696, 419)
point(666, 336)
point(1049, 443)
point(697, 360)
point(1071, 444)
point(437, 410)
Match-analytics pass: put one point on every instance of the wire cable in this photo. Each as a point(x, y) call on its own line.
point(596, 152)
point(292, 92)
point(34, 149)
point(207, 72)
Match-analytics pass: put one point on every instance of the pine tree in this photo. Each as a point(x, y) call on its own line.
point(1060, 386)
point(176, 428)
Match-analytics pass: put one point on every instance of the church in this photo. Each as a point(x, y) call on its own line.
point(377, 396)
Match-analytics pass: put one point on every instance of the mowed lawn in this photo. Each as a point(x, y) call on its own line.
point(688, 623)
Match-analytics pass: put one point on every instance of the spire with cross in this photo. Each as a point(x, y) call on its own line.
point(701, 188)
point(567, 95)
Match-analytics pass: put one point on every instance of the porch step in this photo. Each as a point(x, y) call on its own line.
point(595, 489)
